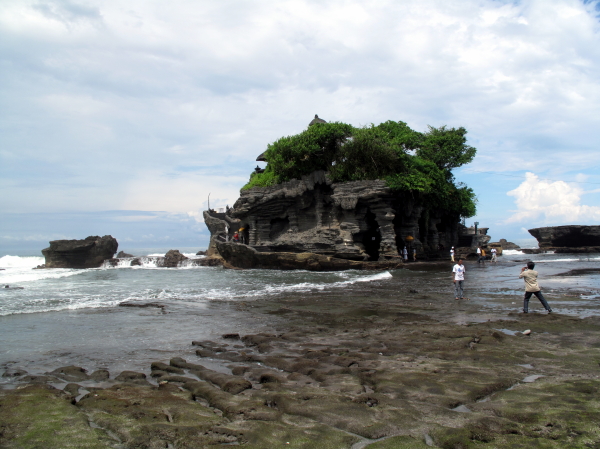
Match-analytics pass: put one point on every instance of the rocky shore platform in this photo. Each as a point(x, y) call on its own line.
point(345, 373)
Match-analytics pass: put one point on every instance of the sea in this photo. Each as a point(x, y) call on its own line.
point(51, 318)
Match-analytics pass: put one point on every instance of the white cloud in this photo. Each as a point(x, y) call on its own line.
point(555, 202)
point(151, 105)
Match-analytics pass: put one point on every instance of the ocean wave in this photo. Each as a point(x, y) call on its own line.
point(20, 262)
point(148, 262)
point(43, 307)
point(233, 293)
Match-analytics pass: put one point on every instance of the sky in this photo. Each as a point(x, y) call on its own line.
point(122, 118)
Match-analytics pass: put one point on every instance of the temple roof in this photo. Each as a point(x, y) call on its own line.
point(316, 120)
point(261, 157)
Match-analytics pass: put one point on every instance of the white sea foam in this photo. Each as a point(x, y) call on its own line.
point(20, 262)
point(511, 252)
point(18, 270)
point(150, 261)
point(582, 258)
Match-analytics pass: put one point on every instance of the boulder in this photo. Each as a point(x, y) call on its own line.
point(123, 254)
point(90, 252)
point(70, 373)
point(173, 258)
point(508, 245)
point(572, 236)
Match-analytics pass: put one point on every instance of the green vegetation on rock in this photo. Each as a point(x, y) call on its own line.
point(412, 163)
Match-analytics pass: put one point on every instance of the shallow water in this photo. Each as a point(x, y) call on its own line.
point(71, 317)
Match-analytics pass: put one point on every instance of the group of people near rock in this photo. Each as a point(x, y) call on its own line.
point(405, 254)
point(238, 237)
point(481, 255)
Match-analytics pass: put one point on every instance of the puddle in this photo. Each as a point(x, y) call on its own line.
point(508, 331)
point(462, 408)
point(82, 392)
point(532, 378)
point(526, 365)
point(429, 440)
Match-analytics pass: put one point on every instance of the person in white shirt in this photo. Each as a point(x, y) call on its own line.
point(459, 277)
point(452, 254)
point(494, 257)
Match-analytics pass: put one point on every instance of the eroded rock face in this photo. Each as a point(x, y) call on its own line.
point(573, 236)
point(90, 252)
point(238, 255)
point(360, 220)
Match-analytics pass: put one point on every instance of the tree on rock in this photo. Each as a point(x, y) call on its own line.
point(412, 163)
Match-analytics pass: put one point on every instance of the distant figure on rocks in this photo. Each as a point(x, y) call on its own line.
point(458, 272)
point(452, 254)
point(529, 275)
point(414, 254)
point(405, 254)
point(236, 237)
point(494, 256)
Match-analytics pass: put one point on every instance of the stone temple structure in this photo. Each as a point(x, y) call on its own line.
point(359, 220)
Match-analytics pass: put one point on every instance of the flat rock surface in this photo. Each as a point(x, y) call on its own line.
point(346, 373)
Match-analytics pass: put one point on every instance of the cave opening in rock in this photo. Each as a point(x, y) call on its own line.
point(372, 236)
point(277, 227)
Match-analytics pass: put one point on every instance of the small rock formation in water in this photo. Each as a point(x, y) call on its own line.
point(508, 245)
point(570, 238)
point(123, 254)
point(90, 252)
point(173, 258)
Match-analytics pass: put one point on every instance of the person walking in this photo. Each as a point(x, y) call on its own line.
point(478, 254)
point(458, 274)
point(452, 254)
point(405, 254)
point(414, 254)
point(494, 257)
point(529, 275)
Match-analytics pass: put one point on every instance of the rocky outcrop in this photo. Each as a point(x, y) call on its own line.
point(572, 236)
point(472, 237)
point(360, 220)
point(222, 227)
point(173, 258)
point(88, 253)
point(123, 255)
point(507, 245)
point(237, 255)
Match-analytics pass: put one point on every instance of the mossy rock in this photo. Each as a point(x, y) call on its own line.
point(40, 416)
point(400, 442)
point(294, 434)
point(149, 417)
